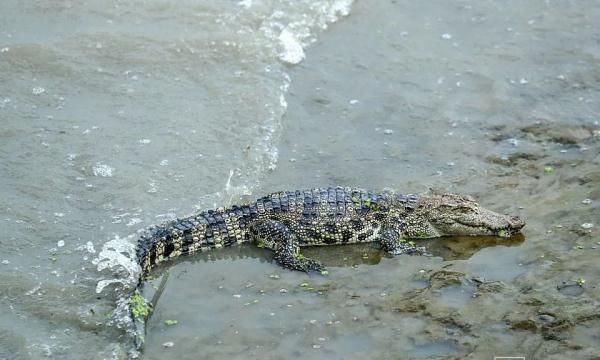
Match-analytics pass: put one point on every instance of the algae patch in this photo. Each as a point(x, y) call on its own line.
point(503, 233)
point(139, 307)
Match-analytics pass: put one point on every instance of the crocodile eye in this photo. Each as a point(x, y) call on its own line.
point(463, 211)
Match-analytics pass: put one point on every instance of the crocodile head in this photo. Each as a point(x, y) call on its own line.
point(450, 214)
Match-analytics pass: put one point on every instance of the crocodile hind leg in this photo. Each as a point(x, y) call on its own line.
point(275, 235)
point(393, 243)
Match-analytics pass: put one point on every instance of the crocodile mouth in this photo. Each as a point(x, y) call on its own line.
point(510, 226)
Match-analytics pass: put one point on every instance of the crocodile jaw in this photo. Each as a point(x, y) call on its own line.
point(453, 214)
point(480, 221)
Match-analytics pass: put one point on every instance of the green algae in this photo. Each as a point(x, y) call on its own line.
point(139, 307)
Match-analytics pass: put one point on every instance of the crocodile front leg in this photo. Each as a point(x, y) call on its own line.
point(275, 235)
point(393, 243)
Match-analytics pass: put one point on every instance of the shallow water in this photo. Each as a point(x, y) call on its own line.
point(118, 117)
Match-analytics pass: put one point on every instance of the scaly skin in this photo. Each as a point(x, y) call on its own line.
point(287, 221)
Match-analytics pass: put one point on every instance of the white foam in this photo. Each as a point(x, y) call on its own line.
point(119, 259)
point(294, 24)
point(245, 3)
point(103, 170)
point(292, 52)
point(38, 90)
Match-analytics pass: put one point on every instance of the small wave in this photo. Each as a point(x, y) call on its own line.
point(285, 30)
point(118, 258)
point(293, 25)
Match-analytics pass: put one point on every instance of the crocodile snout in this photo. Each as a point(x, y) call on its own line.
point(516, 223)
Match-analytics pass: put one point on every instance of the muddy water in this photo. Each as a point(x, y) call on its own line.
point(118, 117)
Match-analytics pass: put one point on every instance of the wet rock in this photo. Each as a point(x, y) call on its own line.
point(514, 158)
point(564, 134)
point(556, 330)
point(591, 177)
point(485, 286)
point(418, 299)
point(532, 301)
point(522, 324)
point(444, 278)
point(570, 288)
point(546, 318)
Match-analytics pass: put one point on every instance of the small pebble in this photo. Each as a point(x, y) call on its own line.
point(237, 296)
point(446, 36)
point(283, 291)
point(587, 225)
point(388, 131)
point(523, 81)
point(546, 318)
point(586, 201)
point(316, 346)
point(353, 102)
point(60, 243)
point(168, 344)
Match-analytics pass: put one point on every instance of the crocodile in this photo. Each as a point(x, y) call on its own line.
point(287, 221)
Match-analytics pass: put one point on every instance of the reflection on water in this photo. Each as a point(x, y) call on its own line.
point(448, 248)
point(463, 247)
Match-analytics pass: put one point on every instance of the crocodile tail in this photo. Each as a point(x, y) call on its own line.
point(171, 240)
point(154, 246)
point(207, 230)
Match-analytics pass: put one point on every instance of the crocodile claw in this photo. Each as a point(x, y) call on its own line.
point(309, 265)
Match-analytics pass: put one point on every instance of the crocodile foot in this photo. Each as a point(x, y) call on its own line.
point(299, 263)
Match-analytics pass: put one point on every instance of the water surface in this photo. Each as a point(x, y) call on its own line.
point(122, 115)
